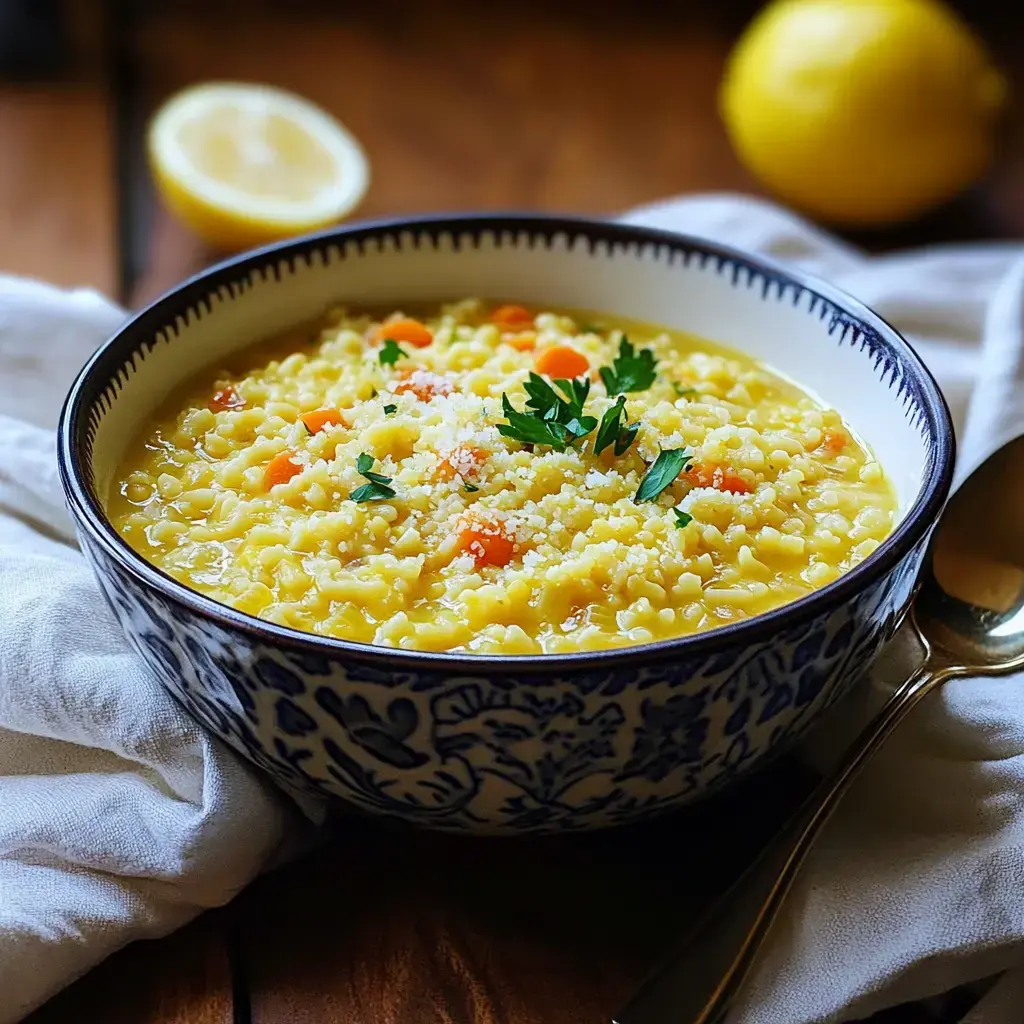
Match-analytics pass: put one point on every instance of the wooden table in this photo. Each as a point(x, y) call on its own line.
point(591, 107)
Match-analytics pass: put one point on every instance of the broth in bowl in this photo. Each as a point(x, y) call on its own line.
point(488, 478)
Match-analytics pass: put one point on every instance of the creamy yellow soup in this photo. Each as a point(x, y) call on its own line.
point(495, 479)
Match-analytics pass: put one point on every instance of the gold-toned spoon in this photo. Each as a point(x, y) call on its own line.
point(969, 617)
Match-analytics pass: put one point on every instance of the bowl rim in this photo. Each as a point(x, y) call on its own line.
point(93, 377)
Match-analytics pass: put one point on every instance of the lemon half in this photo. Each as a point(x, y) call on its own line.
point(862, 112)
point(244, 165)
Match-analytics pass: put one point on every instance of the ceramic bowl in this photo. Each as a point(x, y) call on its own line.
point(513, 744)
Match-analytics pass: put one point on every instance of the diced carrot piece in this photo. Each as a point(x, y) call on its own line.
point(488, 543)
point(561, 361)
point(405, 331)
point(719, 478)
point(522, 342)
point(834, 439)
point(424, 384)
point(281, 468)
point(226, 398)
point(726, 480)
point(463, 461)
point(699, 476)
point(510, 318)
point(320, 418)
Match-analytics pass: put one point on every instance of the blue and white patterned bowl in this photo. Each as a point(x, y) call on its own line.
point(517, 744)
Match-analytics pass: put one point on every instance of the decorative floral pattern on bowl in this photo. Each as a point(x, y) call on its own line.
point(515, 744)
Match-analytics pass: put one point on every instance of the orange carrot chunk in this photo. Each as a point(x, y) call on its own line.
point(464, 461)
point(730, 481)
point(405, 331)
point(488, 544)
point(320, 418)
point(281, 468)
point(521, 342)
point(510, 318)
point(424, 384)
point(834, 439)
point(719, 478)
point(561, 361)
point(226, 398)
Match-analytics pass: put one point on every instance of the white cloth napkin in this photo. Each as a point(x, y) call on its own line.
point(120, 819)
point(917, 885)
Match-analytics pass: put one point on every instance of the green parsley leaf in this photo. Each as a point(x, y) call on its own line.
point(544, 399)
point(470, 488)
point(614, 430)
point(608, 430)
point(372, 492)
point(682, 518)
point(550, 418)
point(626, 437)
point(667, 466)
point(529, 428)
point(390, 352)
point(389, 409)
point(377, 488)
point(575, 391)
point(630, 370)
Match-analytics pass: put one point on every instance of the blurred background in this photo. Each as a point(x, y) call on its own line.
point(575, 106)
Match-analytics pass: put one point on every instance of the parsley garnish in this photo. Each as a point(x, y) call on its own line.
point(682, 518)
point(667, 466)
point(630, 370)
point(615, 429)
point(389, 409)
point(550, 418)
point(377, 488)
point(470, 488)
point(390, 352)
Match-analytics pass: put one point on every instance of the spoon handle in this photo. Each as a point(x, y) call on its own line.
point(700, 981)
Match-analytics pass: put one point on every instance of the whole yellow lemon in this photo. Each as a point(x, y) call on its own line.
point(862, 112)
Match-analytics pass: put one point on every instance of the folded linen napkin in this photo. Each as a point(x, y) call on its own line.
point(915, 886)
point(120, 819)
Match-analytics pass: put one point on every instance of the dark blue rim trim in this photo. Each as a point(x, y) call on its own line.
point(141, 329)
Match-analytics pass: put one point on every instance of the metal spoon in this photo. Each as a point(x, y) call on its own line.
point(969, 618)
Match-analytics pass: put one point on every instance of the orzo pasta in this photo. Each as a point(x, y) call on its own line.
point(496, 479)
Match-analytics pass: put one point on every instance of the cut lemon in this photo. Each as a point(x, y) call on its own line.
point(243, 165)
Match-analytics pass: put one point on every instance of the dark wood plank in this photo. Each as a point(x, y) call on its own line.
point(473, 106)
point(398, 926)
point(56, 186)
point(182, 979)
point(572, 107)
